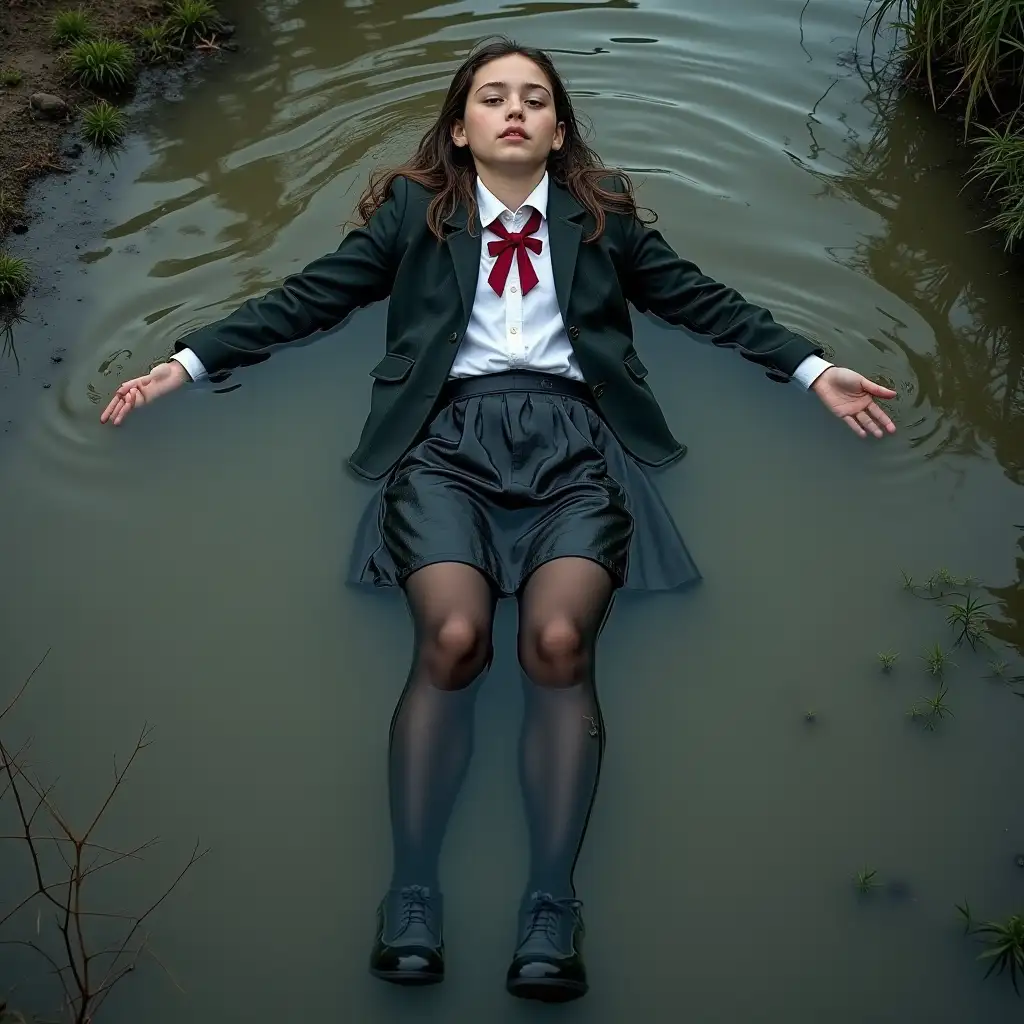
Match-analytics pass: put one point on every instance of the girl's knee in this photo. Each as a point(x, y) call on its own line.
point(554, 653)
point(455, 651)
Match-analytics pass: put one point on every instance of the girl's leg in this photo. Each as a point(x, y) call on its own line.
point(562, 609)
point(431, 741)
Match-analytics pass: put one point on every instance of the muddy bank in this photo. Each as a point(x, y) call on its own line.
point(66, 218)
point(40, 99)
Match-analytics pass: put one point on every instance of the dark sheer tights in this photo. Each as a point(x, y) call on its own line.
point(431, 743)
point(561, 611)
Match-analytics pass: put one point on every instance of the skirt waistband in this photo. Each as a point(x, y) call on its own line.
point(515, 380)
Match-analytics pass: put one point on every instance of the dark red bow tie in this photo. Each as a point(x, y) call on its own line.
point(510, 244)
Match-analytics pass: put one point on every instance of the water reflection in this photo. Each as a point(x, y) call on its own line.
point(954, 280)
point(965, 394)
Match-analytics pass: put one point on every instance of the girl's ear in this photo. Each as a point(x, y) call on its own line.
point(559, 137)
point(459, 134)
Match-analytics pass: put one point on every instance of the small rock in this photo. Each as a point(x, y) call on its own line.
point(20, 228)
point(56, 358)
point(46, 385)
point(74, 152)
point(48, 104)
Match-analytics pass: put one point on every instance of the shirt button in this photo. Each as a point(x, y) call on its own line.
point(513, 330)
point(514, 290)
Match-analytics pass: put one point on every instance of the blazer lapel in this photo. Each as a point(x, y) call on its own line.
point(564, 233)
point(465, 253)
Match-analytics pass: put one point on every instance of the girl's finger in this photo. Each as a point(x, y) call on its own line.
point(115, 409)
point(855, 426)
point(869, 424)
point(882, 417)
point(126, 407)
point(877, 389)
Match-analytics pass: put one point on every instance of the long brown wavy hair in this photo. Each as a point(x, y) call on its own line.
point(448, 171)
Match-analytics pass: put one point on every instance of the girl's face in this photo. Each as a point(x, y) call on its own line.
point(510, 120)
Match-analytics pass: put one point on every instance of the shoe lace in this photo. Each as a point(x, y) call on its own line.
point(415, 904)
point(546, 914)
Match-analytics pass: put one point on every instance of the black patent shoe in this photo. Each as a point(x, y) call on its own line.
point(409, 949)
point(548, 963)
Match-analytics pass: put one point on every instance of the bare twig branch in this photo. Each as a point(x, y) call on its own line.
point(24, 686)
point(81, 857)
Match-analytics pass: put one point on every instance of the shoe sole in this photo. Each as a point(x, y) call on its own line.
point(547, 990)
point(405, 978)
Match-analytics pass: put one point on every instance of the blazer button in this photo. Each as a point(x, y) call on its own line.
point(453, 337)
point(598, 390)
point(574, 332)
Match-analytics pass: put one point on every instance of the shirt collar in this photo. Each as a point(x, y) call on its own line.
point(491, 207)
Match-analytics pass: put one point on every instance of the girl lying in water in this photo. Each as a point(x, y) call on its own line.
point(510, 424)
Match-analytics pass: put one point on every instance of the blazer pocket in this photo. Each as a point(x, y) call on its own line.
point(635, 366)
point(393, 368)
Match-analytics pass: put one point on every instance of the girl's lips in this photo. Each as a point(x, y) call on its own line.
point(519, 136)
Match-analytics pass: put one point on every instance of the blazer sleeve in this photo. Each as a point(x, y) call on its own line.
point(659, 280)
point(360, 271)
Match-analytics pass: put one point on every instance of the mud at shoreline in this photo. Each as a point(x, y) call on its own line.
point(34, 143)
point(66, 217)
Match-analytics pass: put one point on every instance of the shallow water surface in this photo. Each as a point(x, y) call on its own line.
point(187, 570)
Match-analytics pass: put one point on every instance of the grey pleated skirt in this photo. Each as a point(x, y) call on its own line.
point(514, 470)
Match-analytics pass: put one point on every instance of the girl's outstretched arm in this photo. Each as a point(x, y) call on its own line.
point(657, 279)
point(360, 271)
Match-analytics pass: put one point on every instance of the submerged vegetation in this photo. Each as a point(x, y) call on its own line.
point(970, 56)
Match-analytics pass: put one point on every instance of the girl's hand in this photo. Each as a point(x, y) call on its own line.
point(852, 398)
point(161, 379)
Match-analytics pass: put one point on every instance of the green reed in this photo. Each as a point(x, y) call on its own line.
point(931, 710)
point(980, 40)
point(14, 277)
point(1005, 942)
point(865, 880)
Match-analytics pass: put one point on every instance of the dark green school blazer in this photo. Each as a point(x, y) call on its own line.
point(432, 285)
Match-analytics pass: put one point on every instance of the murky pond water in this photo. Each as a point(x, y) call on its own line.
point(187, 570)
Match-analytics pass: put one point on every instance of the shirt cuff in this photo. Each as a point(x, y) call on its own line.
point(808, 371)
point(193, 366)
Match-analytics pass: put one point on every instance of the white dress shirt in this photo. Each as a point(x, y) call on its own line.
point(513, 331)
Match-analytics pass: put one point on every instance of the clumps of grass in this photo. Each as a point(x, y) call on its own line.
point(103, 65)
point(1000, 160)
point(931, 710)
point(980, 40)
point(936, 660)
point(71, 26)
point(189, 20)
point(11, 78)
point(968, 616)
point(104, 126)
point(866, 880)
point(887, 659)
point(14, 277)
point(154, 43)
point(1005, 942)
